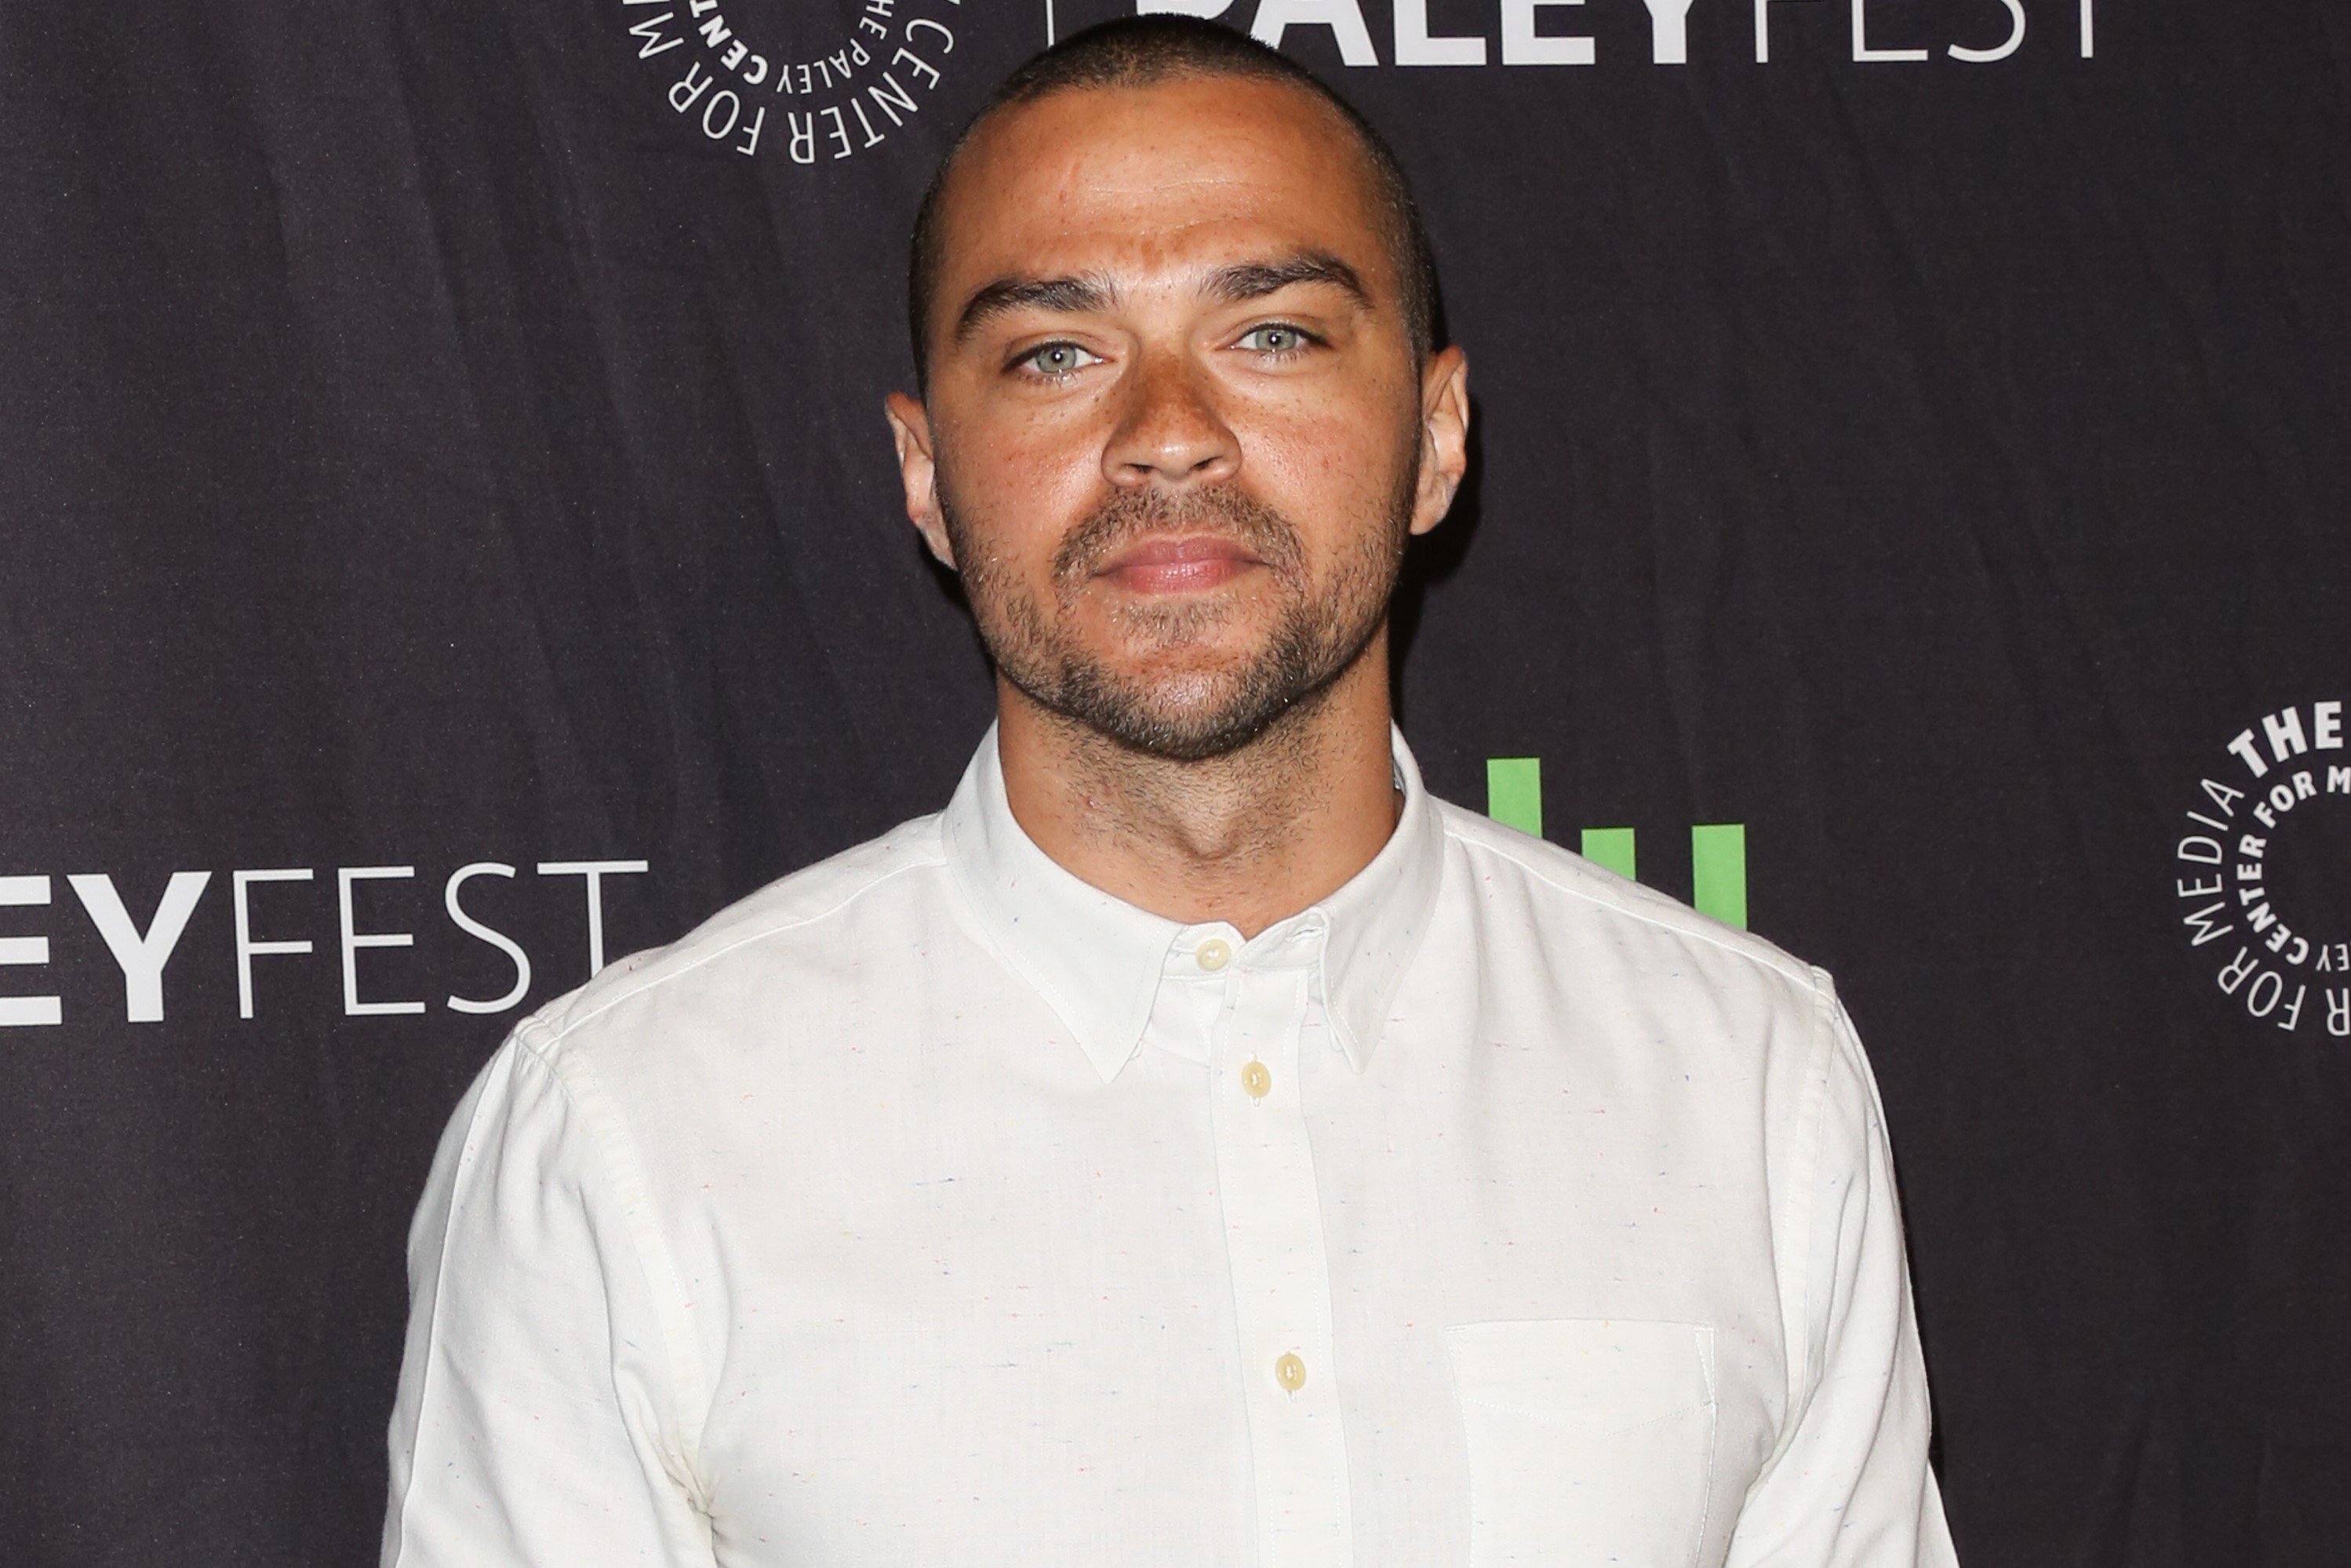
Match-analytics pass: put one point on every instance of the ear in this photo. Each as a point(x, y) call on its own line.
point(910, 428)
point(1443, 435)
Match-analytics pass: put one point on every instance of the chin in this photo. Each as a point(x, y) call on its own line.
point(1194, 720)
point(1202, 659)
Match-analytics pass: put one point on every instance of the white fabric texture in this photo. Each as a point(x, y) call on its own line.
point(931, 1207)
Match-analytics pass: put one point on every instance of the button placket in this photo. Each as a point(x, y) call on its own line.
point(1273, 1232)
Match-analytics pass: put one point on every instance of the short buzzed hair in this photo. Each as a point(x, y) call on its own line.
point(1139, 51)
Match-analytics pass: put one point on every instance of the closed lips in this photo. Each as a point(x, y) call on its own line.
point(1198, 560)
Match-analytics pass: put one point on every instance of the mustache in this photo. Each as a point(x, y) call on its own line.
point(1224, 511)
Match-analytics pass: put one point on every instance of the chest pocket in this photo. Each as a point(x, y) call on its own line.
point(1591, 1441)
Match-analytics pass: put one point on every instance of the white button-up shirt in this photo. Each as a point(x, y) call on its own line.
point(932, 1207)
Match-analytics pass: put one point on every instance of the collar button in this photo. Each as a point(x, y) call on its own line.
point(1213, 955)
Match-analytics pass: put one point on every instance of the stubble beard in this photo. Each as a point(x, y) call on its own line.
point(1167, 708)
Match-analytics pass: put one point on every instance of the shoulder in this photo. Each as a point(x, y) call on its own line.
point(801, 921)
point(1571, 902)
point(1689, 994)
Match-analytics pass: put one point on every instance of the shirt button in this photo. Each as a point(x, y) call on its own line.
point(1214, 954)
point(1258, 1078)
point(1289, 1372)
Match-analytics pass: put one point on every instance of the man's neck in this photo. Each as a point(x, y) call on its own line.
point(1250, 838)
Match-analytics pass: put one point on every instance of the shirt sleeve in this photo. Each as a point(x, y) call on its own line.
point(1850, 1486)
point(537, 1417)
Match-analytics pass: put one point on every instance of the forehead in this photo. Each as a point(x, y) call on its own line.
point(1134, 180)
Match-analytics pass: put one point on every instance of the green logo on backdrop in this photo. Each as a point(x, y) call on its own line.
point(1717, 850)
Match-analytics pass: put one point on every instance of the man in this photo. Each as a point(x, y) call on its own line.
point(1196, 1144)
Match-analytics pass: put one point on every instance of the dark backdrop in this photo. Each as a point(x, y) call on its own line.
point(437, 435)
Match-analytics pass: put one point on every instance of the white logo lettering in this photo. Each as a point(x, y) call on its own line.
point(247, 949)
point(20, 1012)
point(141, 958)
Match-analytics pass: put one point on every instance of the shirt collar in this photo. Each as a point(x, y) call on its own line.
point(1097, 961)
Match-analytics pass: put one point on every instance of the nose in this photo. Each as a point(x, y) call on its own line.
point(1169, 431)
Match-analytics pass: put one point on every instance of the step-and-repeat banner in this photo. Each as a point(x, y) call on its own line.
point(451, 540)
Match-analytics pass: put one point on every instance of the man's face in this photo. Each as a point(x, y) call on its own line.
point(1176, 436)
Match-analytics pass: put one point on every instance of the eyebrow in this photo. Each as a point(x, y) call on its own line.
point(1255, 280)
point(1068, 296)
point(1232, 284)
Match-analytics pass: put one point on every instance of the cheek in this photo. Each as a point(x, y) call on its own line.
point(1018, 486)
point(1331, 466)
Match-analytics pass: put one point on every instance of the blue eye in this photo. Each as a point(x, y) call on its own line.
point(1276, 340)
point(1058, 359)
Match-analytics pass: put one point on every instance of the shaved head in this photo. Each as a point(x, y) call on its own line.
point(1145, 51)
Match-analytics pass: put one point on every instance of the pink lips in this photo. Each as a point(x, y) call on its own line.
point(1179, 565)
